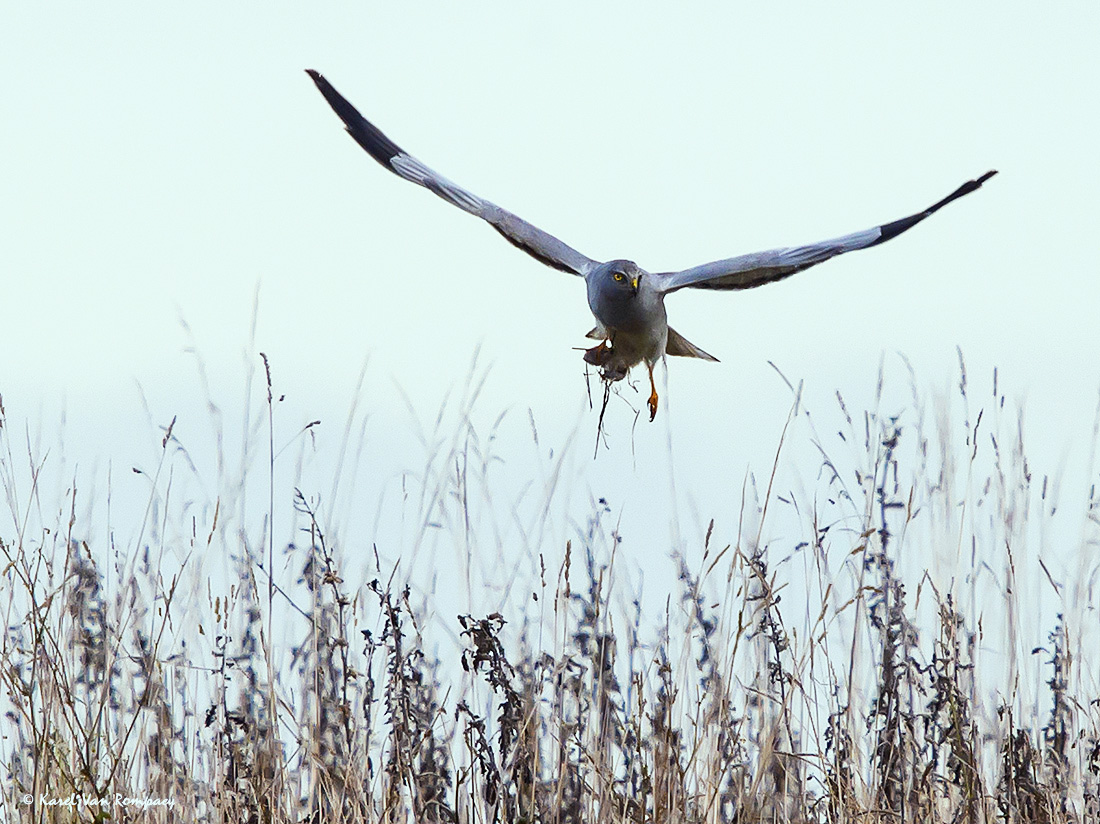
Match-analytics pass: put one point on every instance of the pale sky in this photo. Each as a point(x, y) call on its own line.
point(159, 162)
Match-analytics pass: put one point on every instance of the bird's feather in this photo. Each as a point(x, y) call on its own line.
point(541, 245)
point(758, 268)
point(679, 345)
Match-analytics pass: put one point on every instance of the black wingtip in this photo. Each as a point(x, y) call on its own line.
point(365, 133)
point(892, 230)
point(965, 189)
point(334, 98)
point(331, 95)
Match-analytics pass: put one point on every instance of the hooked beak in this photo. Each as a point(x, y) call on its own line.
point(634, 283)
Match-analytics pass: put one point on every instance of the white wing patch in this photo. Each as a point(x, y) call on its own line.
point(413, 170)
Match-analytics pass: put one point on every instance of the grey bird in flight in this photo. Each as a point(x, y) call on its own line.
point(627, 301)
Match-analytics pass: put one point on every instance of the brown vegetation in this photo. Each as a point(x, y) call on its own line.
point(746, 705)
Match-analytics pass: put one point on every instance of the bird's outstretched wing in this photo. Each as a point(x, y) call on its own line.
point(758, 268)
point(531, 239)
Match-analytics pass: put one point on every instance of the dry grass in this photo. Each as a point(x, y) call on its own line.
point(833, 677)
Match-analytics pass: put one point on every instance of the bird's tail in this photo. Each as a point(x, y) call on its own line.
point(679, 345)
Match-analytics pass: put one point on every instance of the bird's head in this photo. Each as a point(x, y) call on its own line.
point(620, 279)
point(614, 292)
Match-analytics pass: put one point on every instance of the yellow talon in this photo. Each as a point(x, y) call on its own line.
point(652, 394)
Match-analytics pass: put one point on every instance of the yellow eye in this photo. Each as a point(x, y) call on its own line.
point(619, 276)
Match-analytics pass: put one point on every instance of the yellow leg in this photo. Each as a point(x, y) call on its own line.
point(652, 394)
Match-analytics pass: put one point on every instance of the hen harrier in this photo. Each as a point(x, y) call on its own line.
point(628, 301)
